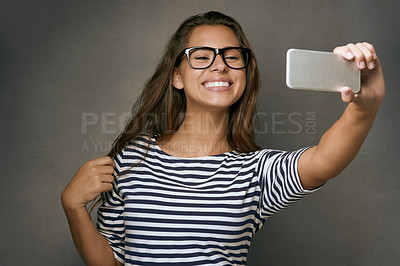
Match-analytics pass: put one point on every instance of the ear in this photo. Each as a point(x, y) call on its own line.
point(177, 80)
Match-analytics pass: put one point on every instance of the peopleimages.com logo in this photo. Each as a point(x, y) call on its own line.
point(287, 123)
point(266, 123)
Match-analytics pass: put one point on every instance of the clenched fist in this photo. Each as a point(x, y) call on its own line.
point(93, 178)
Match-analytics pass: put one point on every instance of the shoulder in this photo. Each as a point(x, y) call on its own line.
point(280, 158)
point(133, 152)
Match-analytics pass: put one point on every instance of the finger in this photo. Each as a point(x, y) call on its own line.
point(347, 95)
point(105, 170)
point(106, 187)
point(106, 160)
point(358, 55)
point(369, 59)
point(344, 51)
point(372, 49)
point(106, 178)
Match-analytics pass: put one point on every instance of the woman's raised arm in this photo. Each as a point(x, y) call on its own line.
point(341, 143)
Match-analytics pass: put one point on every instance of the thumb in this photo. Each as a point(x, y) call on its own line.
point(347, 95)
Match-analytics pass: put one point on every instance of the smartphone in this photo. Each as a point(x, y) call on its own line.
point(320, 71)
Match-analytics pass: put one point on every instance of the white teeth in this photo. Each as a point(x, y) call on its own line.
point(216, 84)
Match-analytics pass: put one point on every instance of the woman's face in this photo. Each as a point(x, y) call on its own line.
point(216, 87)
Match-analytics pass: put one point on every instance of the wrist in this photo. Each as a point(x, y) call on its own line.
point(70, 205)
point(360, 113)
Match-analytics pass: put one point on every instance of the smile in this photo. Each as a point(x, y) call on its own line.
point(217, 84)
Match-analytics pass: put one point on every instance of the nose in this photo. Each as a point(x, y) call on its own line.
point(218, 64)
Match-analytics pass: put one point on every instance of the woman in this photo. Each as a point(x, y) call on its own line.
point(185, 182)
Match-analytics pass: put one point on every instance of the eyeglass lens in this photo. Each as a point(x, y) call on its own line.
point(203, 58)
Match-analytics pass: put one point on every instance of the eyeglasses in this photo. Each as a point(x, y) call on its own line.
point(204, 57)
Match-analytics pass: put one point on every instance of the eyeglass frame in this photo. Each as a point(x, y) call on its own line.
point(217, 51)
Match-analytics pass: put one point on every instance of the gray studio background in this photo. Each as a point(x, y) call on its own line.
point(71, 70)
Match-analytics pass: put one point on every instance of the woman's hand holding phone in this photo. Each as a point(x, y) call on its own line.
point(372, 90)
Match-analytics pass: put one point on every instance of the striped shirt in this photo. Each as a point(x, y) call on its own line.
point(168, 210)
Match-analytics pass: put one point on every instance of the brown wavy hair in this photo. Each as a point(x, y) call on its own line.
point(160, 109)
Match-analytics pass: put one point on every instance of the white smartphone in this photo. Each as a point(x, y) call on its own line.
point(320, 71)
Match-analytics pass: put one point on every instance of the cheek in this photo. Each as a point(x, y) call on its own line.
point(191, 77)
point(242, 82)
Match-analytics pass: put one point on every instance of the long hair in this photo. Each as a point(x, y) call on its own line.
point(160, 109)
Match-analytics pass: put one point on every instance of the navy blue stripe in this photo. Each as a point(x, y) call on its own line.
point(140, 175)
point(197, 172)
point(195, 263)
point(115, 227)
point(187, 195)
point(205, 238)
point(186, 246)
point(188, 255)
point(155, 154)
point(187, 230)
point(191, 213)
point(105, 221)
point(213, 205)
point(142, 185)
point(154, 159)
point(107, 210)
point(110, 218)
point(190, 222)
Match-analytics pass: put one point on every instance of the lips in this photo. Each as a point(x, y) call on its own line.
point(217, 84)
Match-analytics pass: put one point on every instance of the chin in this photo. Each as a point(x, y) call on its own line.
point(221, 104)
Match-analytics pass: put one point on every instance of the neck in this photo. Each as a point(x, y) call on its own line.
point(201, 134)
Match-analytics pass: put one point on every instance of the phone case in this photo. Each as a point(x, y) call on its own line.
point(320, 71)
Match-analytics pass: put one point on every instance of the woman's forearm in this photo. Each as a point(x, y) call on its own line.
point(92, 246)
point(337, 147)
point(93, 178)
